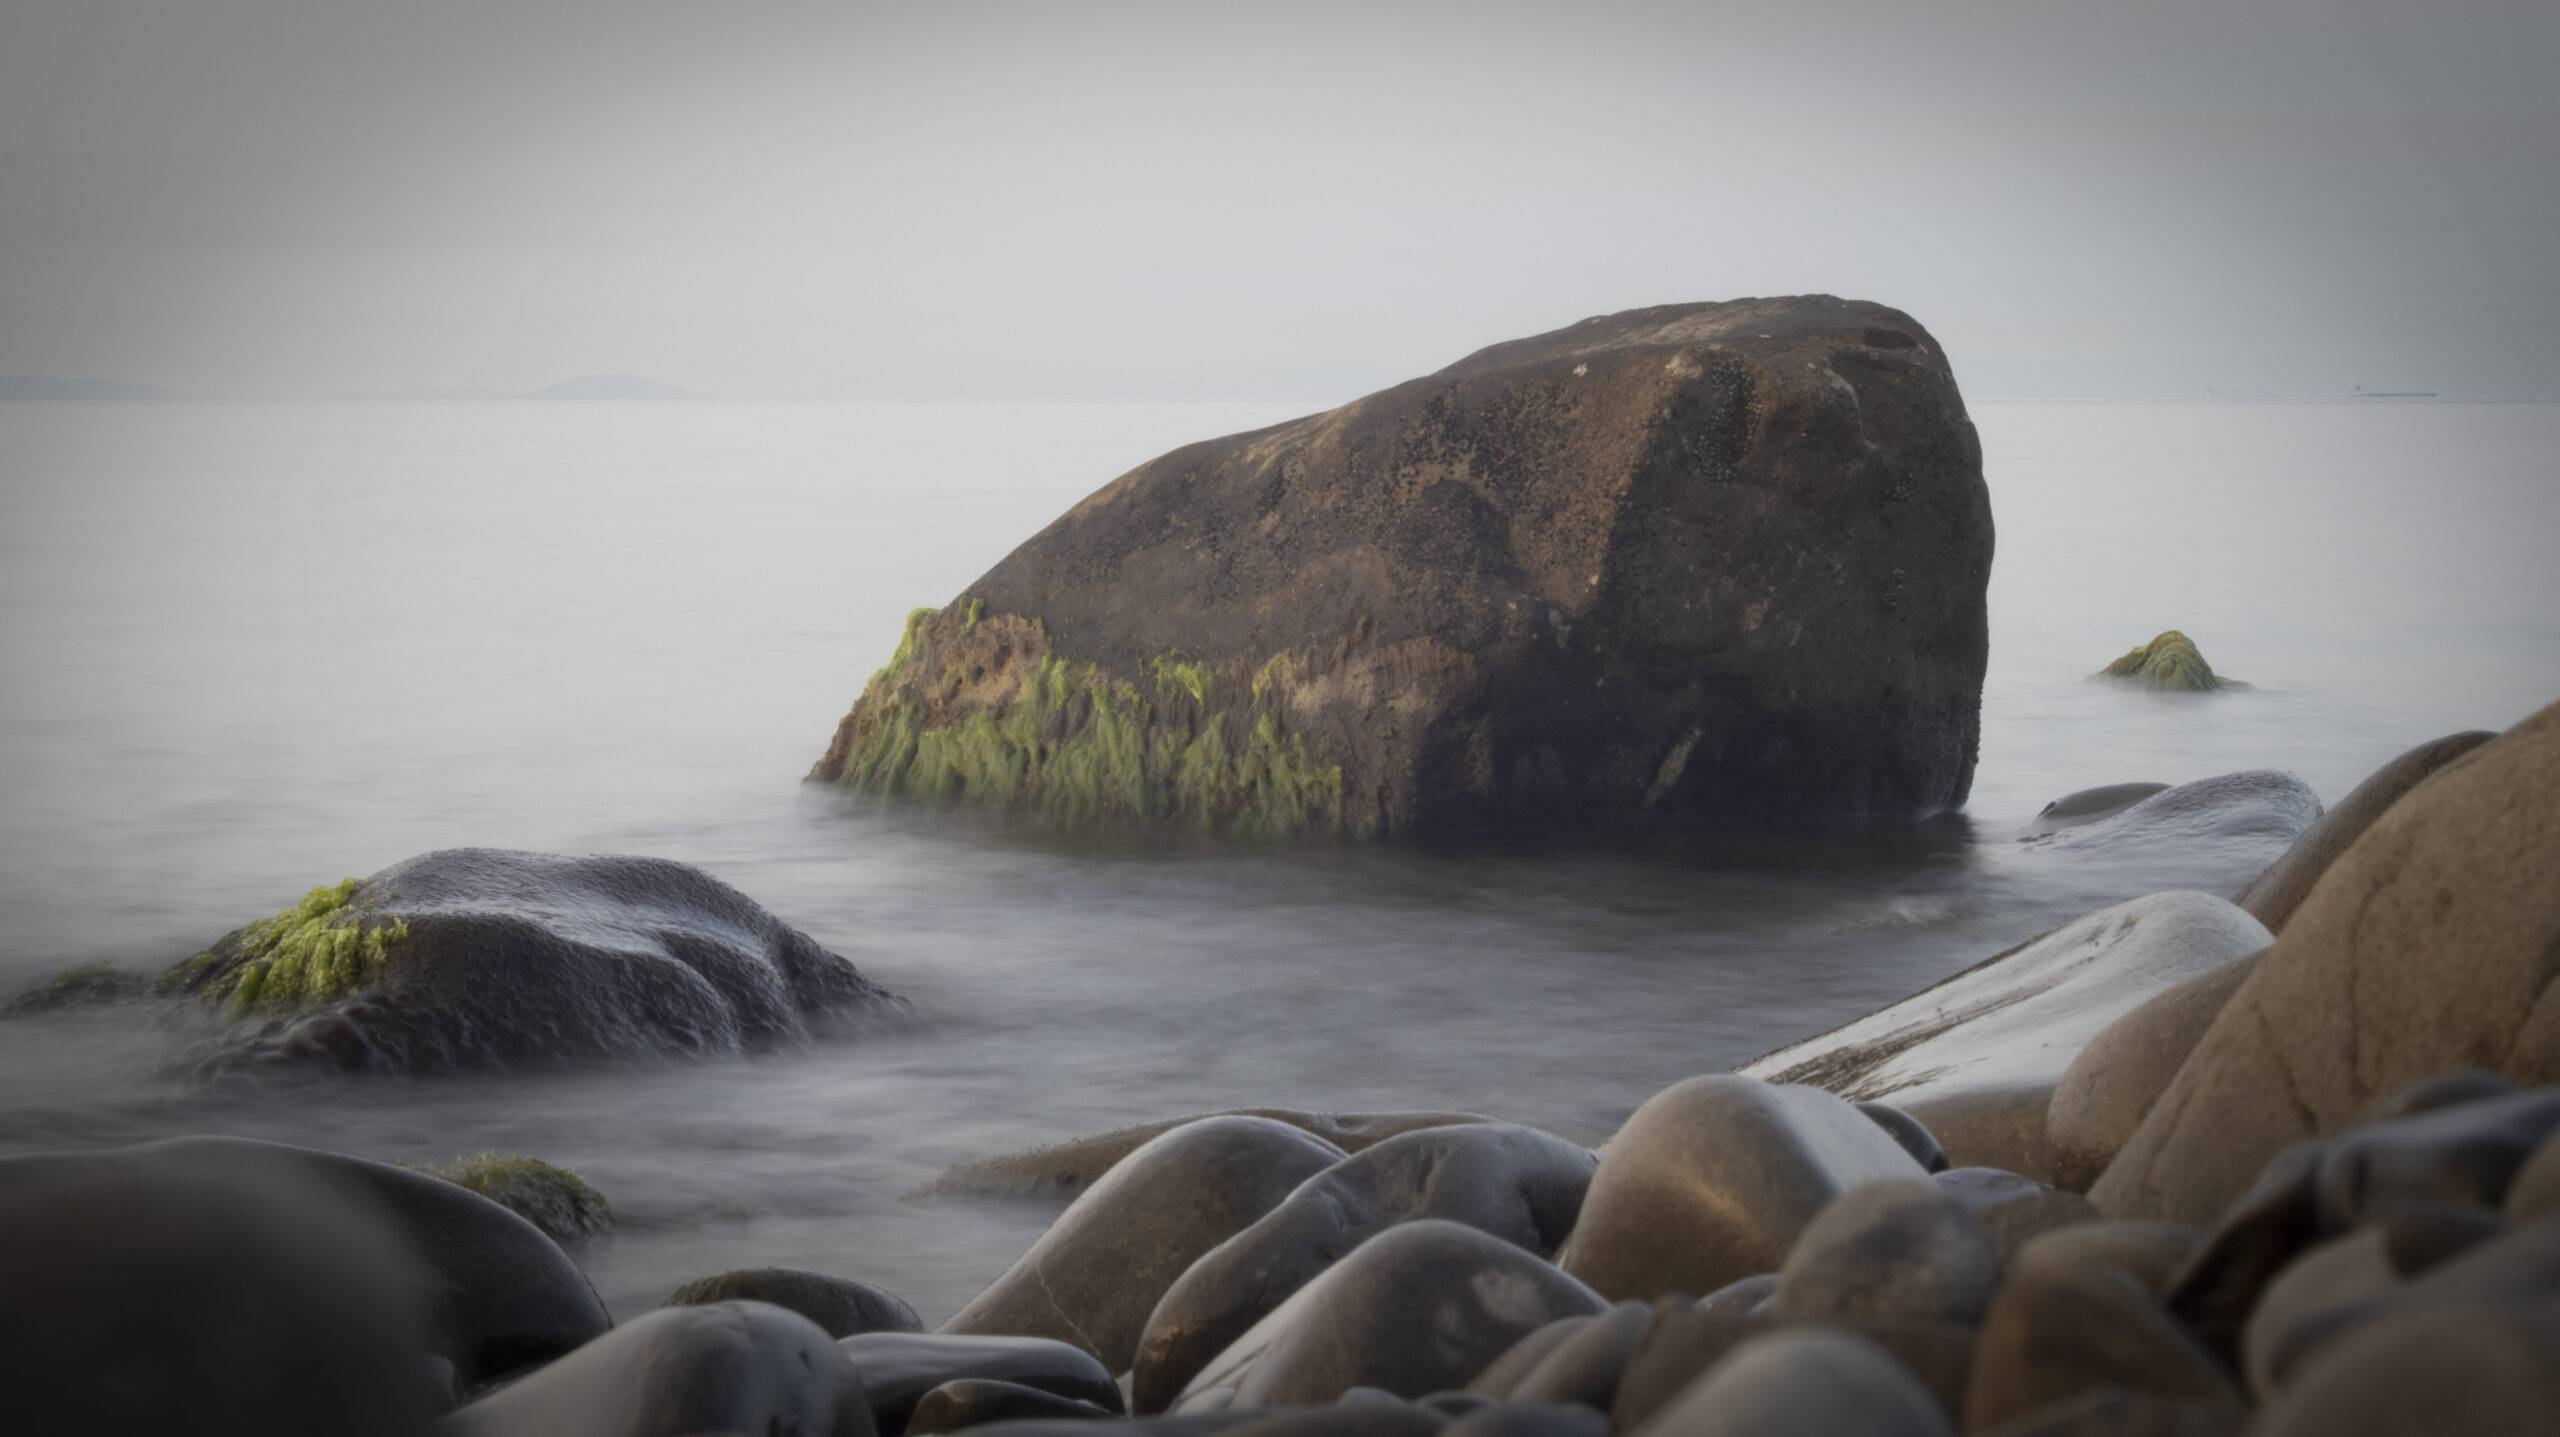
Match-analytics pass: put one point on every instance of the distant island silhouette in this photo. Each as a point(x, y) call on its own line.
point(46, 388)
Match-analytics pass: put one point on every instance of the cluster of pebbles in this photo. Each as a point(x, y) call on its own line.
point(2285, 1168)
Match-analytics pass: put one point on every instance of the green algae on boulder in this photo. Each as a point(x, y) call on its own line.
point(331, 945)
point(90, 985)
point(480, 957)
point(552, 1198)
point(1713, 562)
point(2169, 662)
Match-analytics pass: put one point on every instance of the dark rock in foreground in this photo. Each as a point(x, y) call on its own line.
point(841, 1306)
point(729, 1367)
point(478, 957)
point(552, 1198)
point(1720, 561)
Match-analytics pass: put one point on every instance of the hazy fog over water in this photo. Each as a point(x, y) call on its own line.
point(274, 198)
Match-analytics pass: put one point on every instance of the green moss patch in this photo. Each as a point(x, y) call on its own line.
point(977, 708)
point(2170, 661)
point(326, 947)
point(552, 1198)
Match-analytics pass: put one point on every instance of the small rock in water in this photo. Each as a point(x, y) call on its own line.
point(841, 1306)
point(2170, 662)
point(1094, 1277)
point(728, 1367)
point(2087, 806)
point(553, 1199)
point(1421, 1307)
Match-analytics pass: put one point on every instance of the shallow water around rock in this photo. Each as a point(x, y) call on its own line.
point(255, 648)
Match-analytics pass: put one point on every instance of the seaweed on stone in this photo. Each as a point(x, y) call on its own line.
point(977, 708)
point(2170, 661)
point(326, 947)
point(552, 1198)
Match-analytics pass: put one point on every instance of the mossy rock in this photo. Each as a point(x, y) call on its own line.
point(476, 958)
point(91, 985)
point(552, 1198)
point(2170, 662)
point(1705, 562)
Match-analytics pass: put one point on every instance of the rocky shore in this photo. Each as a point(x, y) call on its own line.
point(2284, 1165)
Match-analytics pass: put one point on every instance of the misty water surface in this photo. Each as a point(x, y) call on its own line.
point(254, 648)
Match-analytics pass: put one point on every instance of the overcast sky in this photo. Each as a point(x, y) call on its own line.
point(1062, 200)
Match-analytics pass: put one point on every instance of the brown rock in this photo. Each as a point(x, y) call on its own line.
point(2055, 1334)
point(2428, 945)
point(2272, 898)
point(1803, 1379)
point(2152, 1253)
point(1724, 561)
point(2109, 1088)
point(1713, 1178)
point(2459, 1373)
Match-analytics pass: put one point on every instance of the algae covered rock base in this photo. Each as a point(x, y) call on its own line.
point(1713, 561)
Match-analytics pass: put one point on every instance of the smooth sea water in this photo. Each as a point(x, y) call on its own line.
point(253, 648)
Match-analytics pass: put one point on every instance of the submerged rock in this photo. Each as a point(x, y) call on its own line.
point(553, 1199)
point(476, 957)
point(841, 1306)
point(2087, 806)
point(2247, 814)
point(1724, 561)
point(2427, 946)
point(2170, 662)
point(1976, 1058)
point(91, 985)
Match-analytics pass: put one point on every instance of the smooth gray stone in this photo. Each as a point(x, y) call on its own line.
point(1894, 1251)
point(1683, 1342)
point(1914, 1135)
point(2087, 806)
point(2341, 1273)
point(2055, 1334)
point(1586, 1368)
point(969, 1402)
point(1420, 1307)
point(1803, 1380)
point(1530, 1419)
point(1520, 1358)
point(1094, 1277)
point(1515, 1183)
point(165, 1294)
point(2151, 1252)
point(2476, 1372)
point(1712, 1179)
point(2014, 1210)
point(899, 1368)
point(503, 1297)
point(843, 1306)
point(726, 1367)
point(1381, 1420)
point(2535, 1189)
point(2125, 1414)
point(2517, 1271)
point(2247, 814)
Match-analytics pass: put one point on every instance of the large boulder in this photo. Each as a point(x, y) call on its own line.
point(502, 1296)
point(1516, 1183)
point(479, 957)
point(2273, 896)
point(2432, 943)
point(2110, 1086)
point(1099, 1270)
point(1724, 561)
point(1976, 1058)
point(1713, 1179)
point(183, 1293)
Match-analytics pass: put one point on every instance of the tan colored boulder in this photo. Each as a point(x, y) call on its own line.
point(2108, 1090)
point(1976, 1058)
point(2287, 881)
point(2431, 944)
point(1713, 1179)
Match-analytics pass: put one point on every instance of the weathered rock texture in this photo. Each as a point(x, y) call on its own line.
point(2170, 661)
point(480, 957)
point(1724, 561)
point(2432, 943)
